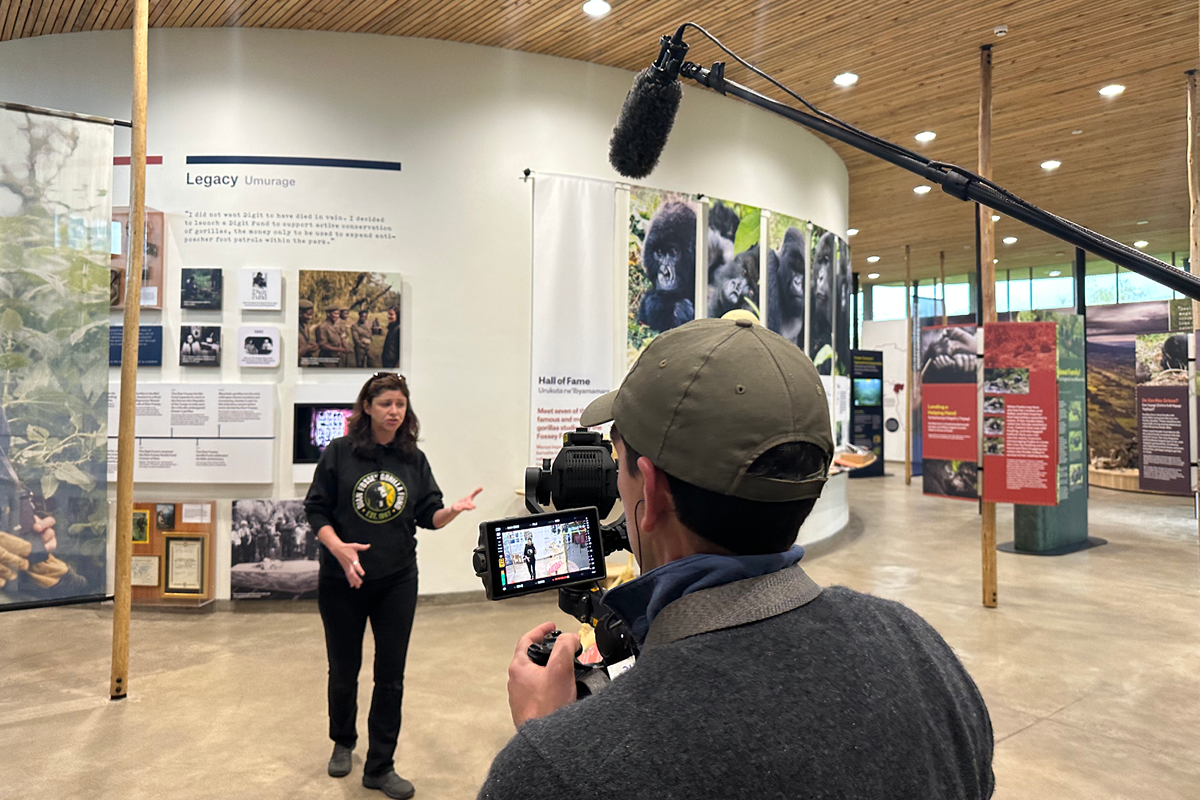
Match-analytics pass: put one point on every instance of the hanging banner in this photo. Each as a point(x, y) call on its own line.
point(866, 421)
point(55, 243)
point(1020, 427)
point(787, 277)
point(733, 259)
point(572, 341)
point(823, 245)
point(949, 427)
point(662, 265)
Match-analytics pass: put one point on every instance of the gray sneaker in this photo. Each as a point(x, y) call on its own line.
point(339, 762)
point(390, 784)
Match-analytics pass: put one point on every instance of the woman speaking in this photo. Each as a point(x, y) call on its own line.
point(371, 489)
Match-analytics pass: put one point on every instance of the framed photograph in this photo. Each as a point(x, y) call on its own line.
point(349, 319)
point(258, 346)
point(153, 267)
point(164, 516)
point(201, 289)
point(144, 571)
point(200, 346)
point(185, 558)
point(141, 527)
point(260, 289)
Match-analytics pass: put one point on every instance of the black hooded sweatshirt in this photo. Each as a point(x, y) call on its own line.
point(378, 500)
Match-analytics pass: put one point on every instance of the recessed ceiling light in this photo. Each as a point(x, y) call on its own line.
point(1054, 273)
point(922, 189)
point(1143, 222)
point(852, 231)
point(995, 217)
point(926, 136)
point(1077, 131)
point(1051, 165)
point(1112, 90)
point(995, 261)
point(596, 8)
point(1010, 240)
point(872, 259)
point(872, 276)
point(846, 79)
point(1140, 243)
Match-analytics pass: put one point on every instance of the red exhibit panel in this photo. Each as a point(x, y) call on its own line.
point(1020, 413)
point(951, 436)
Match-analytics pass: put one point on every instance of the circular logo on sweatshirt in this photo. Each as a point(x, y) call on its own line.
point(379, 497)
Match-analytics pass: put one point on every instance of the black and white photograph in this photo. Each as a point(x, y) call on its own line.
point(200, 346)
point(950, 478)
point(260, 289)
point(258, 346)
point(274, 551)
point(201, 289)
point(948, 354)
point(164, 516)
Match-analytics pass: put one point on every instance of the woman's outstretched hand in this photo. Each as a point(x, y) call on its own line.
point(347, 556)
point(467, 503)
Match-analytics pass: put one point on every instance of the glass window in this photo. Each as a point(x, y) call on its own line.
point(888, 302)
point(1020, 291)
point(1100, 284)
point(958, 299)
point(1054, 292)
point(1133, 288)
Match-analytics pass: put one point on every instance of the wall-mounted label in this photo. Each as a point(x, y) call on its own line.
point(150, 345)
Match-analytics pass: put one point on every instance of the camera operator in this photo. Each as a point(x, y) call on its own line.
point(752, 680)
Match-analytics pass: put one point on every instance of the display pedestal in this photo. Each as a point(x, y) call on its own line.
point(1074, 547)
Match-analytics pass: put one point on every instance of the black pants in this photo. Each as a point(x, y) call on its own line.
point(390, 604)
point(530, 562)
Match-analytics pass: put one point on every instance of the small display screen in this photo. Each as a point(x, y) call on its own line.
point(316, 425)
point(543, 551)
point(868, 391)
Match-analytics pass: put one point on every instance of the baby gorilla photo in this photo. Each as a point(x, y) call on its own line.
point(669, 261)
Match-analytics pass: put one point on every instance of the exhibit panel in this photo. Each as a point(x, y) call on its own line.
point(285, 152)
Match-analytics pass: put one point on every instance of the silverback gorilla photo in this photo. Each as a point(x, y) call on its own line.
point(821, 308)
point(786, 277)
point(669, 261)
point(843, 284)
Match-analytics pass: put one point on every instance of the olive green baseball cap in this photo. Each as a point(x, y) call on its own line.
point(705, 400)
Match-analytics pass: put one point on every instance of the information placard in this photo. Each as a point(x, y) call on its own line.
point(1163, 438)
point(1020, 429)
point(866, 412)
point(199, 433)
point(949, 416)
point(150, 345)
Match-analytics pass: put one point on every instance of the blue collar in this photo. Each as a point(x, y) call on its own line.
point(640, 600)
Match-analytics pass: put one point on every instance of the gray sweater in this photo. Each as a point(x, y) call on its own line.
point(838, 695)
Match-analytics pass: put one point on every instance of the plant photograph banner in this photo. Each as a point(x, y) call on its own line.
point(349, 319)
point(662, 265)
point(55, 240)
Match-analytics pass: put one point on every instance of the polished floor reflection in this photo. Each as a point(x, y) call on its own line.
point(1089, 667)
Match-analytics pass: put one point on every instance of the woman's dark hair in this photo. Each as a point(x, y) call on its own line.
point(745, 527)
point(359, 426)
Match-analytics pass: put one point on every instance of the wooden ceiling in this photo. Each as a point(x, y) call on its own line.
point(1123, 159)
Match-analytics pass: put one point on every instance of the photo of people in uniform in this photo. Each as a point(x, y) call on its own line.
point(274, 551)
point(349, 320)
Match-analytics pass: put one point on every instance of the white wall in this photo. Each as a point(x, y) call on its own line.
point(890, 337)
point(464, 121)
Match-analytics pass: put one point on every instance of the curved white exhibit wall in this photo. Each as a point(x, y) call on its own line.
point(464, 121)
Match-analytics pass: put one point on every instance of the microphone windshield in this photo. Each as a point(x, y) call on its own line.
point(645, 122)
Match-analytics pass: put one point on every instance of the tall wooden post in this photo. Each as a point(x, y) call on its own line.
point(910, 305)
point(987, 293)
point(1193, 161)
point(942, 267)
point(118, 685)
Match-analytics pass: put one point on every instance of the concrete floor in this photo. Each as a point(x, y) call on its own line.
point(1089, 667)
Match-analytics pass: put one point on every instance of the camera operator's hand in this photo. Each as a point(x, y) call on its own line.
point(535, 691)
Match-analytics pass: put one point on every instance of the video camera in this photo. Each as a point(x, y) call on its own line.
point(581, 483)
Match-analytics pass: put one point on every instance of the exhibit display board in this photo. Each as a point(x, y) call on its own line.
point(199, 433)
point(866, 421)
point(1020, 430)
point(172, 562)
point(949, 417)
point(55, 242)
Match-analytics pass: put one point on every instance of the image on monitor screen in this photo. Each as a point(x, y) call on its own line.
point(868, 391)
point(316, 425)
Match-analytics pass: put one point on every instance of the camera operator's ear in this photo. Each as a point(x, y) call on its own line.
point(656, 495)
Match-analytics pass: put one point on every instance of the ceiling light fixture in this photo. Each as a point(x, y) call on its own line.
point(1143, 222)
point(922, 189)
point(1051, 165)
point(596, 8)
point(1054, 273)
point(1140, 243)
point(995, 261)
point(872, 276)
point(1010, 240)
point(995, 217)
point(872, 259)
point(846, 79)
point(1077, 131)
point(1112, 90)
point(926, 136)
point(852, 231)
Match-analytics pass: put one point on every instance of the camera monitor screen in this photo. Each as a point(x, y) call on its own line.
point(542, 551)
point(316, 425)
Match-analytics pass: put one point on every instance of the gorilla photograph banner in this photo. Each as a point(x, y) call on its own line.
point(843, 285)
point(662, 265)
point(55, 241)
point(821, 299)
point(349, 319)
point(733, 259)
point(787, 277)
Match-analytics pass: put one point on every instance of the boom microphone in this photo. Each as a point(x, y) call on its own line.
point(649, 112)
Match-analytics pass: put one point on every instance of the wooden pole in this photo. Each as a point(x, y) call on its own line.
point(942, 266)
point(1193, 162)
point(118, 685)
point(987, 293)
point(908, 384)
